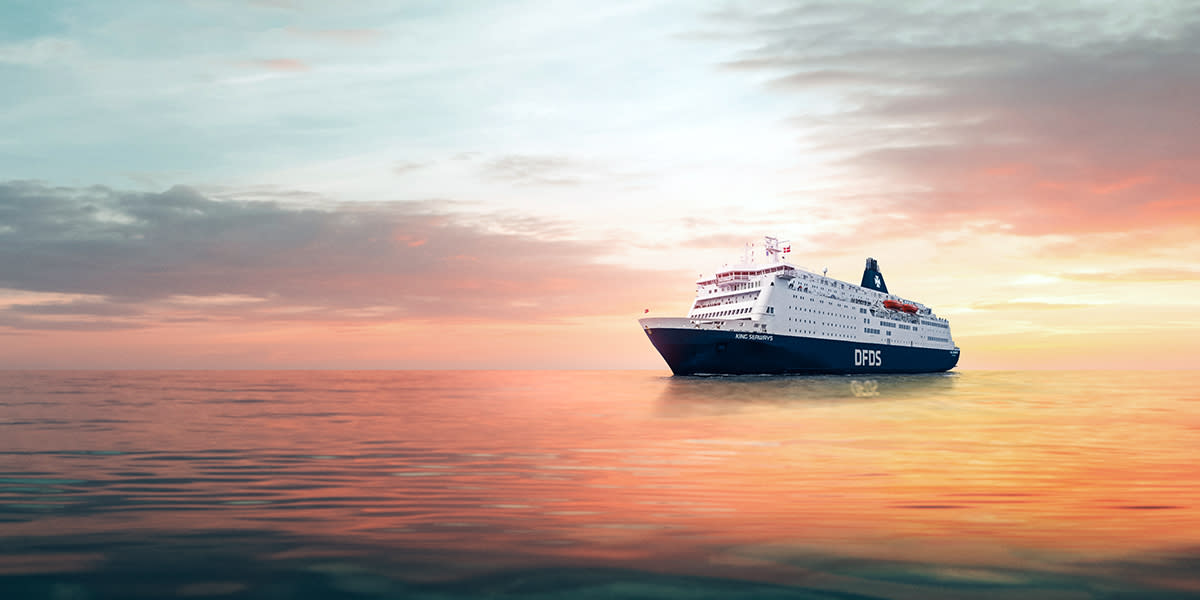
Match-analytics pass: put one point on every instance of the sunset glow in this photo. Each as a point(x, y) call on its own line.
point(984, 477)
point(443, 186)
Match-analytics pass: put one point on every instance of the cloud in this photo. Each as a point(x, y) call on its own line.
point(728, 241)
point(534, 170)
point(1075, 120)
point(142, 258)
point(283, 4)
point(1149, 275)
point(404, 167)
point(282, 65)
point(40, 52)
point(341, 36)
point(1021, 305)
point(76, 308)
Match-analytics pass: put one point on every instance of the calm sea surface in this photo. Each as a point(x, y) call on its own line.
point(598, 485)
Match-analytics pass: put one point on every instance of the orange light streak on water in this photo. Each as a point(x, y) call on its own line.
point(763, 476)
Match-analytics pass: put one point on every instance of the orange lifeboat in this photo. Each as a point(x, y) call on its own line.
point(908, 308)
point(893, 305)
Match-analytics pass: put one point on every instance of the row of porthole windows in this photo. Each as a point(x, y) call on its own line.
point(799, 320)
point(724, 313)
point(814, 332)
point(740, 286)
point(869, 330)
point(813, 310)
point(821, 312)
point(724, 300)
point(936, 339)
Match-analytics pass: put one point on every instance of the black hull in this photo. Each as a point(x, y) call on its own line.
point(705, 351)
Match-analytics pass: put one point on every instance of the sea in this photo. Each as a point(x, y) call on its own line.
point(598, 484)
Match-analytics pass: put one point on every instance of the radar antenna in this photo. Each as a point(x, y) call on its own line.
point(775, 248)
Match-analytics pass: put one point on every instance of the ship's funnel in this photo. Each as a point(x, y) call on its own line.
point(872, 278)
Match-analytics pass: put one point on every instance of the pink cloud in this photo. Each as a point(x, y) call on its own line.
point(1007, 126)
point(338, 264)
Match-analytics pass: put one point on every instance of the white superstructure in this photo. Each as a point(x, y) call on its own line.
point(779, 298)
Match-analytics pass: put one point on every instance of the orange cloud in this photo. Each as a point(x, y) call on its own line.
point(1026, 306)
point(1148, 275)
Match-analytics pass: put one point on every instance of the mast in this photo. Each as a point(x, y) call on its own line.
point(775, 248)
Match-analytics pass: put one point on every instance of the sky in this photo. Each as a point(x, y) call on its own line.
point(380, 185)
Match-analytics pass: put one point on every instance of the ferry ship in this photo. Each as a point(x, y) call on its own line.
point(778, 318)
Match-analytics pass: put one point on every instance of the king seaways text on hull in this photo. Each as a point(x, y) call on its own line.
point(773, 317)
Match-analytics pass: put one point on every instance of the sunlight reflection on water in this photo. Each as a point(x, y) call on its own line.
point(453, 484)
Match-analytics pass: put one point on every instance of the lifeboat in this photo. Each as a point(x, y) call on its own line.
point(908, 308)
point(893, 305)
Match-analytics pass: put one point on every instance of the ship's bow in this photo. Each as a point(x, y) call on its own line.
point(674, 340)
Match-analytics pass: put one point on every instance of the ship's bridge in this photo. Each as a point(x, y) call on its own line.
point(746, 273)
point(773, 251)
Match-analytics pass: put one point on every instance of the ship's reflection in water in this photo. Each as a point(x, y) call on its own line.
point(732, 393)
point(598, 485)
